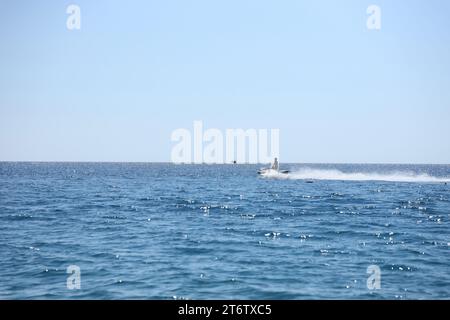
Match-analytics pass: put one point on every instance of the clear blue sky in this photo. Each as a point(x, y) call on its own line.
point(137, 70)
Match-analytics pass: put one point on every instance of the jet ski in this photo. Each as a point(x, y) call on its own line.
point(273, 170)
point(269, 171)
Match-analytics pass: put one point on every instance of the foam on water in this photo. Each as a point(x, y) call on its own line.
point(333, 174)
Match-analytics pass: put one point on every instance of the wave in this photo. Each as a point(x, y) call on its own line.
point(334, 174)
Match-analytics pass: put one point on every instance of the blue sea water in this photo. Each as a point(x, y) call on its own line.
point(164, 231)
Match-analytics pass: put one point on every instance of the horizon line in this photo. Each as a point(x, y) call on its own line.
point(191, 163)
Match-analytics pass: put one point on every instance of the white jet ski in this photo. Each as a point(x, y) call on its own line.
point(274, 170)
point(270, 171)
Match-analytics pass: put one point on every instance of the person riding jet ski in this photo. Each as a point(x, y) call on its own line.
point(275, 168)
point(275, 165)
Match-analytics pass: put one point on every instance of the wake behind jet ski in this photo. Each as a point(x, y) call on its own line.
point(274, 169)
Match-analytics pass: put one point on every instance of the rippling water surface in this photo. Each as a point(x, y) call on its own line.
point(163, 231)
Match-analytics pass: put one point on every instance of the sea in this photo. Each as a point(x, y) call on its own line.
point(167, 231)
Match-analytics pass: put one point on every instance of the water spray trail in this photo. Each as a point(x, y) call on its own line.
point(327, 174)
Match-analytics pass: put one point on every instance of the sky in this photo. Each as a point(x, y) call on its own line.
point(136, 71)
